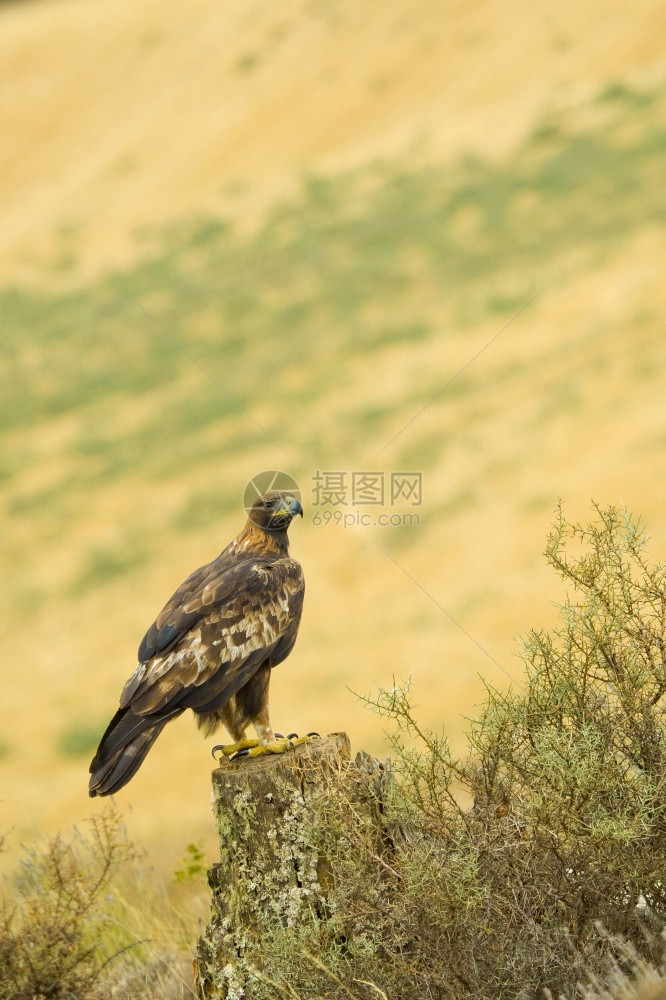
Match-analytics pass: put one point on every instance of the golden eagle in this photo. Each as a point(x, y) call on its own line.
point(212, 647)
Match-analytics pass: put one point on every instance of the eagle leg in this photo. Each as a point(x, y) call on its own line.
point(275, 746)
point(229, 749)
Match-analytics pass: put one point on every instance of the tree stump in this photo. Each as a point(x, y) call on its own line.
point(266, 811)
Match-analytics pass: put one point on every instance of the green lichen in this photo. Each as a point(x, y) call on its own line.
point(272, 877)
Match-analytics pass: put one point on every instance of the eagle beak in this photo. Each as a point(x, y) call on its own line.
point(294, 506)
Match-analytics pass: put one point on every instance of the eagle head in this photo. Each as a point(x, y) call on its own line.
point(274, 510)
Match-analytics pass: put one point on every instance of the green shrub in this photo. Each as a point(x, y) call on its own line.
point(537, 858)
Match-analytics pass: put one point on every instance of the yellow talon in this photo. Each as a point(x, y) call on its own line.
point(276, 746)
point(229, 749)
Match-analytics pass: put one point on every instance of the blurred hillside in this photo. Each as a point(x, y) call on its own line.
point(238, 239)
point(121, 115)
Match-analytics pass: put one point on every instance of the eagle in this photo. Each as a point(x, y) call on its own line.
point(212, 648)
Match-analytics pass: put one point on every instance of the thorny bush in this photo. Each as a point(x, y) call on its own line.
point(57, 926)
point(537, 858)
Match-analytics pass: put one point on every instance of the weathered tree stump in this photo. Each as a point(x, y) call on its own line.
point(266, 810)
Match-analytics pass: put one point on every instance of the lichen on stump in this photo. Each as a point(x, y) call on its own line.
point(272, 871)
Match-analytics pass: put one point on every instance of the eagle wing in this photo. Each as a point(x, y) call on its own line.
point(217, 629)
point(214, 583)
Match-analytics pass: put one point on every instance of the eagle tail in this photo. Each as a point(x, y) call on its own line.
point(122, 750)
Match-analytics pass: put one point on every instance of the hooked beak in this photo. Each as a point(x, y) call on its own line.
point(294, 506)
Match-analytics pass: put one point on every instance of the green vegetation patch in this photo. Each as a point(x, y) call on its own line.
point(104, 563)
point(80, 739)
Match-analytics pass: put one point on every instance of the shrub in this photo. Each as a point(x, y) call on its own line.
point(74, 927)
point(57, 926)
point(537, 858)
